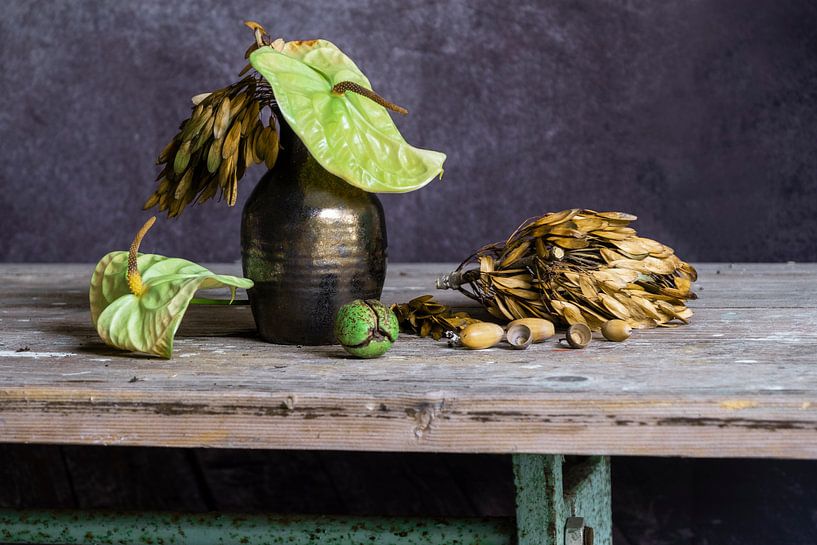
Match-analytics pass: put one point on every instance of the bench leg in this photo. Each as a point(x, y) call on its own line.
point(563, 500)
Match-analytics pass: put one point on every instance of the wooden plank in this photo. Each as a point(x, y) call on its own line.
point(739, 381)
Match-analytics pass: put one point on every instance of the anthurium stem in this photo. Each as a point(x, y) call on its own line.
point(134, 278)
point(206, 301)
point(344, 86)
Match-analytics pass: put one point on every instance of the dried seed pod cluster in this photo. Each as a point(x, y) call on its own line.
point(424, 316)
point(223, 136)
point(578, 267)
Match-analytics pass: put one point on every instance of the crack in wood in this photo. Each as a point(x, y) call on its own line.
point(748, 423)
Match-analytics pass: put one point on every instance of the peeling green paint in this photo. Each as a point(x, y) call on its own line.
point(551, 488)
point(109, 528)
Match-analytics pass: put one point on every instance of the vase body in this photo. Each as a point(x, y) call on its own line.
point(311, 243)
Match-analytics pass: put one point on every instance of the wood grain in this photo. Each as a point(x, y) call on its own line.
point(740, 381)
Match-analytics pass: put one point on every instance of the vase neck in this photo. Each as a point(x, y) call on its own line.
point(292, 149)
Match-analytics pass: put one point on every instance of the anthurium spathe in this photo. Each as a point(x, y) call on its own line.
point(139, 300)
point(330, 105)
point(310, 87)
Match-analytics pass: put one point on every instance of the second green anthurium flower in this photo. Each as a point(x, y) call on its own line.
point(139, 300)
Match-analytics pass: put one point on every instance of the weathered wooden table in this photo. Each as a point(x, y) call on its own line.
point(740, 381)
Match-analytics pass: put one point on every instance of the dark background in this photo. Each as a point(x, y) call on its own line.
point(698, 116)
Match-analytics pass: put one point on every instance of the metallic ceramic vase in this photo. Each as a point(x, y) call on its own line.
point(311, 243)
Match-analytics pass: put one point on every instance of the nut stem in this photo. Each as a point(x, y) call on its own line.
point(133, 276)
point(343, 86)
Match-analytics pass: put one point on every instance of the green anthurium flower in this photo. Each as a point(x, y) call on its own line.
point(330, 105)
point(139, 300)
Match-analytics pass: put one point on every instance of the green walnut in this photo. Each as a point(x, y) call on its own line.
point(366, 329)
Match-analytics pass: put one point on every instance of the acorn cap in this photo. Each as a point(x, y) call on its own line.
point(578, 336)
point(520, 336)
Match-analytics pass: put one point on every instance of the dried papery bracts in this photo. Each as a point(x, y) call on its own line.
point(224, 135)
point(425, 317)
point(578, 267)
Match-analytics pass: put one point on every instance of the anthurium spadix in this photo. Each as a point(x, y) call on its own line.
point(138, 300)
point(330, 105)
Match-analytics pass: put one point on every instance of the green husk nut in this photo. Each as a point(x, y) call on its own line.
point(366, 329)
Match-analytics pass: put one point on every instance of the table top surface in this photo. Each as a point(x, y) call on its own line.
point(739, 381)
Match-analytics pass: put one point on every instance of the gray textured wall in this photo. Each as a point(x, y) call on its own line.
point(699, 116)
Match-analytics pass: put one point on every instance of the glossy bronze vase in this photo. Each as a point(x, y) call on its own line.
point(311, 243)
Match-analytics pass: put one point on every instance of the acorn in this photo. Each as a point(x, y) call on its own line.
point(540, 328)
point(578, 336)
point(519, 336)
point(616, 330)
point(366, 329)
point(481, 335)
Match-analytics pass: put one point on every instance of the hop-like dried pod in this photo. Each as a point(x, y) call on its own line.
point(578, 267)
point(222, 119)
point(199, 98)
point(231, 141)
point(214, 156)
point(270, 146)
point(182, 158)
point(425, 317)
point(214, 146)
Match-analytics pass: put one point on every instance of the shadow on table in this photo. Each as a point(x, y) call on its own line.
point(198, 322)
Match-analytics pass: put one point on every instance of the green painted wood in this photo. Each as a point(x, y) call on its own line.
point(552, 488)
point(539, 499)
point(588, 494)
point(101, 528)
